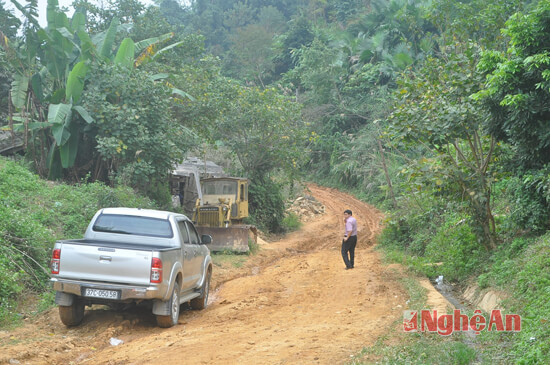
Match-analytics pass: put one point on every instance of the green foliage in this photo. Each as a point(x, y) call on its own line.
point(411, 228)
point(478, 19)
point(434, 109)
point(299, 34)
point(137, 143)
point(266, 204)
point(264, 130)
point(455, 246)
point(9, 23)
point(521, 268)
point(250, 57)
point(68, 59)
point(436, 240)
point(291, 222)
point(517, 89)
point(533, 281)
point(418, 349)
point(530, 200)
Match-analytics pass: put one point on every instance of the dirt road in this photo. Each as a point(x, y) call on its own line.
point(292, 303)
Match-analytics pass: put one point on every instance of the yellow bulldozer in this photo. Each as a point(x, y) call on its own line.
point(219, 211)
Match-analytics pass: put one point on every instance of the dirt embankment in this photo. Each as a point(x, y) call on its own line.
point(292, 303)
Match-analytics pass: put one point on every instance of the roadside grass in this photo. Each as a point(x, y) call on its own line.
point(522, 269)
point(519, 267)
point(230, 258)
point(400, 347)
point(417, 348)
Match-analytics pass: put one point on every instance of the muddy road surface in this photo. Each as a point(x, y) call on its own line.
point(291, 303)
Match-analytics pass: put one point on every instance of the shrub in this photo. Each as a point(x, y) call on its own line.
point(530, 200)
point(456, 246)
point(266, 204)
point(291, 222)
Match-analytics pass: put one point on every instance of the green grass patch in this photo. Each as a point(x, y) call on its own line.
point(418, 348)
point(415, 348)
point(522, 269)
point(291, 222)
point(229, 258)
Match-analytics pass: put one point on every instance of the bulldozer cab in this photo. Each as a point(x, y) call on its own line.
point(224, 201)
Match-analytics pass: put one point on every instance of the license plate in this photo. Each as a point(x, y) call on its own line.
point(101, 293)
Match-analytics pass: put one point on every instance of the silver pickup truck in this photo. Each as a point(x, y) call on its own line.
point(133, 255)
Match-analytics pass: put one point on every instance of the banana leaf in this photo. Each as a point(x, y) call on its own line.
point(182, 93)
point(78, 22)
point(36, 84)
point(125, 53)
point(30, 12)
point(19, 87)
point(51, 11)
point(161, 51)
point(54, 163)
point(75, 82)
point(84, 114)
point(141, 45)
point(107, 44)
point(67, 152)
point(160, 76)
point(59, 117)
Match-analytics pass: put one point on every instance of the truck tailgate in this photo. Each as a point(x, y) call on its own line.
point(105, 264)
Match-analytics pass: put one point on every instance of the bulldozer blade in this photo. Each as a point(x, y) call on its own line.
point(233, 238)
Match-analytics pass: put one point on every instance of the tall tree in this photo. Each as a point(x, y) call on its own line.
point(517, 91)
point(434, 109)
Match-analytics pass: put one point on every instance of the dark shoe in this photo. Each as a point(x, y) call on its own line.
point(347, 268)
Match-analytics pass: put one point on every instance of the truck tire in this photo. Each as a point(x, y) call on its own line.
point(73, 314)
point(201, 302)
point(171, 319)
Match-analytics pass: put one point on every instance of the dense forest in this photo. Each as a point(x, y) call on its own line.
point(435, 111)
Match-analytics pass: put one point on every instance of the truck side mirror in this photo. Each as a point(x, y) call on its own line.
point(206, 239)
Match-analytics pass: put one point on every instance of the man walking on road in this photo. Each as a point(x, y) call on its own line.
point(350, 239)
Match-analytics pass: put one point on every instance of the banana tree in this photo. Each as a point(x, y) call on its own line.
point(57, 60)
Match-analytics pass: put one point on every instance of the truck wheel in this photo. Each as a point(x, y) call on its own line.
point(73, 314)
point(202, 301)
point(172, 319)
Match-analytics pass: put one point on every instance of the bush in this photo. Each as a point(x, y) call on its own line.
point(433, 235)
point(530, 200)
point(291, 222)
point(266, 204)
point(412, 227)
point(456, 246)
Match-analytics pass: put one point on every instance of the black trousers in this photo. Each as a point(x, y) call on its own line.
point(349, 246)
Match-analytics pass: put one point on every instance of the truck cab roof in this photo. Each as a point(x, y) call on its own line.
point(160, 214)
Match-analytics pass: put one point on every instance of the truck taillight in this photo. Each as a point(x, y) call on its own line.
point(54, 264)
point(156, 270)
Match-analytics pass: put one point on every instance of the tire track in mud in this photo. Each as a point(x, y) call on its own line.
point(292, 303)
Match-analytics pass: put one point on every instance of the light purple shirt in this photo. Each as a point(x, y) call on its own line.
point(351, 226)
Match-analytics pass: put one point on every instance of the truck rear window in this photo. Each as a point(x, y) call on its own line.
point(133, 225)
